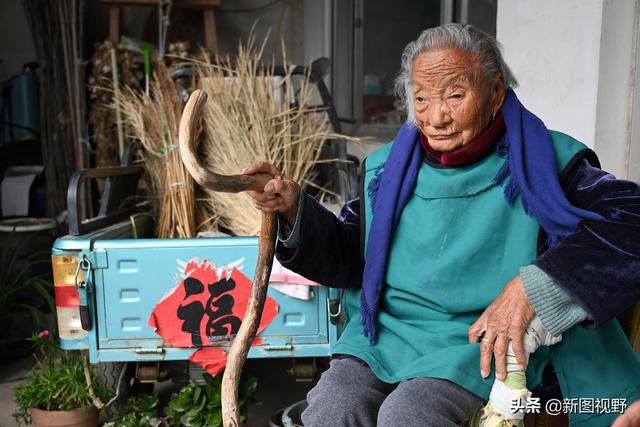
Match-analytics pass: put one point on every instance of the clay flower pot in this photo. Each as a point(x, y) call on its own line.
point(82, 417)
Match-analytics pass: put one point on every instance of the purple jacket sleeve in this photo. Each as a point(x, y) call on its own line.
point(599, 265)
point(329, 249)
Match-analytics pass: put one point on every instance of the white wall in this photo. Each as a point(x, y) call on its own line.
point(552, 47)
point(616, 88)
point(575, 61)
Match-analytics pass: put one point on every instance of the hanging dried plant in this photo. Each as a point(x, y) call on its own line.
point(100, 85)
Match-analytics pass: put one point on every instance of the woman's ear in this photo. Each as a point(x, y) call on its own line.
point(497, 93)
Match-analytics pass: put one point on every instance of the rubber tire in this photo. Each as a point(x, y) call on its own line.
point(108, 375)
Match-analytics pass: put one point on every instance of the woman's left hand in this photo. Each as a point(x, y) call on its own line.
point(506, 318)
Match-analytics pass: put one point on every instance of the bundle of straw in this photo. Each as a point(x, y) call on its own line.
point(154, 121)
point(251, 116)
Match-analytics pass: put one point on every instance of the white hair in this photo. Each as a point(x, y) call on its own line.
point(483, 47)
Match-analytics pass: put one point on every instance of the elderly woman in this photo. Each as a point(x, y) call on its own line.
point(475, 219)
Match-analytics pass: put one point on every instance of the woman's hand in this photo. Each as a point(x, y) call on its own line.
point(630, 418)
point(280, 194)
point(506, 318)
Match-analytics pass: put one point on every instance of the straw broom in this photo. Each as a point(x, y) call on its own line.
point(250, 117)
point(154, 120)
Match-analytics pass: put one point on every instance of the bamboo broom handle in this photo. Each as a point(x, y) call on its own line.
point(266, 249)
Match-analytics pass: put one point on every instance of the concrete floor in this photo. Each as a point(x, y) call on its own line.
point(11, 374)
point(276, 389)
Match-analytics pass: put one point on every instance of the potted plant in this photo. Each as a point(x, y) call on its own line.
point(61, 390)
point(24, 290)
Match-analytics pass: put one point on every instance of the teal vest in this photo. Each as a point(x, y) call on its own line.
point(457, 244)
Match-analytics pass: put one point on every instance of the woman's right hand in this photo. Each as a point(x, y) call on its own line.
point(280, 195)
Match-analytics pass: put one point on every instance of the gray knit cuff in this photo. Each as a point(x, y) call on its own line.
point(557, 310)
point(290, 237)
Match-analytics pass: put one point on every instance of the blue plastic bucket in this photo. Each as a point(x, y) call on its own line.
point(20, 108)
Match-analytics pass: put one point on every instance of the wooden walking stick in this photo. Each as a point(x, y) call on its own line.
point(266, 249)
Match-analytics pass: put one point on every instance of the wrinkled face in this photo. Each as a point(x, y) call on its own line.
point(452, 102)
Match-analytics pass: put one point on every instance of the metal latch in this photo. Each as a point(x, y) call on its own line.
point(84, 289)
point(335, 306)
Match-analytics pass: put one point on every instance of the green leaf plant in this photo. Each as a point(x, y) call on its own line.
point(18, 278)
point(194, 405)
point(57, 381)
point(139, 411)
point(199, 405)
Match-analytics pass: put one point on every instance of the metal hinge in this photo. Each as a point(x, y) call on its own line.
point(278, 347)
point(150, 350)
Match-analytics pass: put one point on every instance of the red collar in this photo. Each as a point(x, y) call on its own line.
point(471, 152)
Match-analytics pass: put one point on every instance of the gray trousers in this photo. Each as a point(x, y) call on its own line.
point(348, 394)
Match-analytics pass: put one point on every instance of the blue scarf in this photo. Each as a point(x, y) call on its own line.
point(530, 170)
